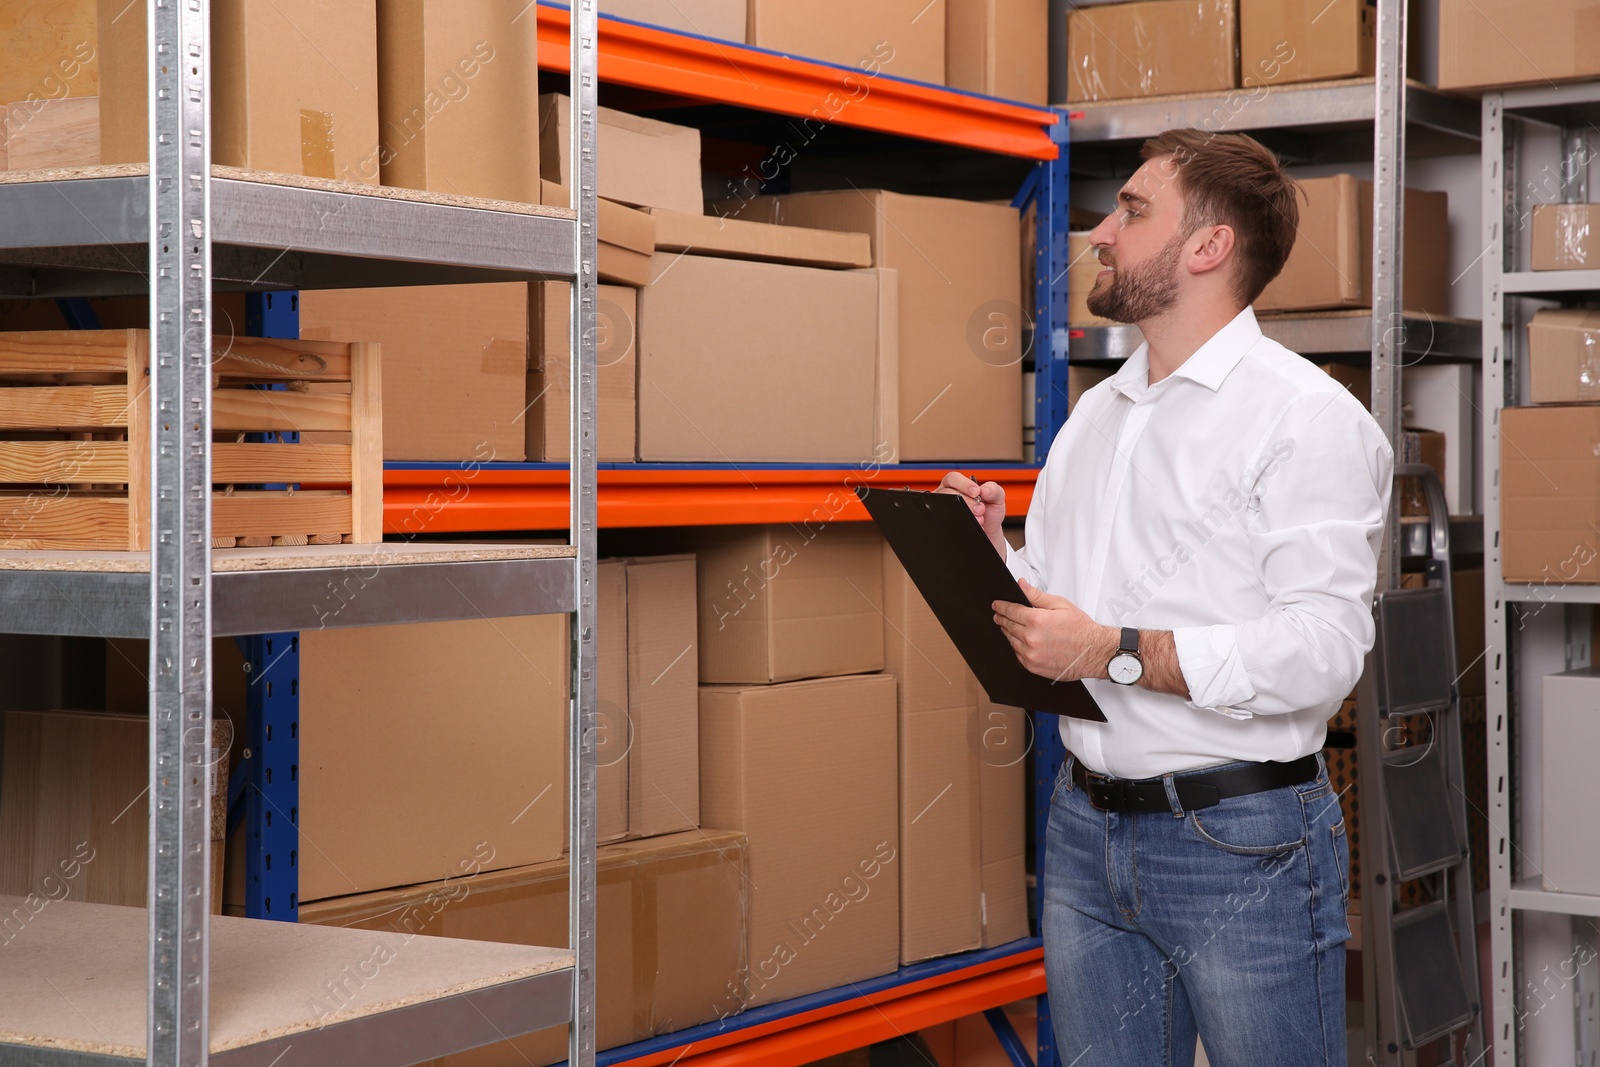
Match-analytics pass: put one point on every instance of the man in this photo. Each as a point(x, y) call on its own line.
point(1202, 550)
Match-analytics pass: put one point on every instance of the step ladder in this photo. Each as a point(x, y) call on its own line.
point(1420, 958)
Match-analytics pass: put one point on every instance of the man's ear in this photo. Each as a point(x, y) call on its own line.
point(1210, 248)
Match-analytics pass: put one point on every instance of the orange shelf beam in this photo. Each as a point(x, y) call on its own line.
point(446, 501)
point(853, 1024)
point(727, 73)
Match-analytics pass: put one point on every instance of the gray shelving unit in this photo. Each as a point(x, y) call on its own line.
point(1533, 139)
point(172, 984)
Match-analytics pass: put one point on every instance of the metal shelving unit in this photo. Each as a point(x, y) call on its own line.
point(1511, 174)
point(178, 229)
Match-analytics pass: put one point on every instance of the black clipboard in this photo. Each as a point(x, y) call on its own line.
point(957, 571)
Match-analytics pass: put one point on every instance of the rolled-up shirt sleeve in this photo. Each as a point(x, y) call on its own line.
point(1315, 531)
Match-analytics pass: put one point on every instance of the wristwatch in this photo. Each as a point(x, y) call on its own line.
point(1125, 667)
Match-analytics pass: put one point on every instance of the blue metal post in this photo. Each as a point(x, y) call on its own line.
point(1007, 1036)
point(272, 784)
point(1051, 260)
point(1048, 756)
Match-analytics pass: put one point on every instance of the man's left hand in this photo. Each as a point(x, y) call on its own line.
point(1055, 638)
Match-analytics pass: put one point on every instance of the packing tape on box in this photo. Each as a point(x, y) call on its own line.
point(316, 144)
point(1572, 238)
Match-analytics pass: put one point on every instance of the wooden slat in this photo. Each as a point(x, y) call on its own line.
point(138, 413)
point(366, 442)
point(70, 407)
point(63, 462)
point(254, 410)
point(66, 351)
point(248, 358)
point(56, 520)
point(279, 463)
point(267, 514)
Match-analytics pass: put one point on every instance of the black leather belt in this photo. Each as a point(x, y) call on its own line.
point(1196, 789)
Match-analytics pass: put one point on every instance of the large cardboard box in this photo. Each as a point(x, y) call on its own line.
point(759, 361)
point(1151, 48)
point(723, 19)
point(643, 161)
point(736, 238)
point(1081, 379)
point(1484, 43)
point(44, 134)
point(664, 754)
point(455, 363)
point(904, 38)
point(454, 81)
point(1284, 41)
point(998, 48)
point(549, 384)
point(1002, 742)
point(421, 745)
point(1564, 356)
point(627, 237)
point(1570, 786)
point(1565, 236)
point(1550, 494)
point(613, 736)
point(779, 603)
point(49, 86)
point(807, 771)
point(959, 265)
point(940, 849)
point(670, 930)
point(1331, 264)
point(278, 103)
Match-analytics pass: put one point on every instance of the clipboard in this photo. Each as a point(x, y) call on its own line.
point(957, 571)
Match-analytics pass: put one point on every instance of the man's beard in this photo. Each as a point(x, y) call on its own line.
point(1141, 292)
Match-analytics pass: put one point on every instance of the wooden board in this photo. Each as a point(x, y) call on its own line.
point(53, 519)
point(69, 407)
point(257, 463)
point(63, 462)
point(54, 133)
point(56, 352)
point(264, 514)
point(366, 443)
point(75, 976)
point(265, 359)
point(254, 410)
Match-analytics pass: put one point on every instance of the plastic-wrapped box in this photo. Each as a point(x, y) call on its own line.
point(1152, 48)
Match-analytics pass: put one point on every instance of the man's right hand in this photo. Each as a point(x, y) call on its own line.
point(987, 501)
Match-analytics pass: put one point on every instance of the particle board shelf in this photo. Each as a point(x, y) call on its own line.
point(854, 1016)
point(73, 990)
point(1428, 338)
point(697, 68)
point(83, 232)
point(448, 499)
point(268, 590)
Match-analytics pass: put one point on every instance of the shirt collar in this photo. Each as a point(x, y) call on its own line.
point(1208, 366)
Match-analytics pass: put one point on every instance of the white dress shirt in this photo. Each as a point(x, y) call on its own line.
point(1239, 503)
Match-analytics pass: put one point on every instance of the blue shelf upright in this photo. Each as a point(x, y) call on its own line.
point(1047, 189)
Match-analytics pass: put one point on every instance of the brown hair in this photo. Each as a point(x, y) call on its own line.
point(1229, 179)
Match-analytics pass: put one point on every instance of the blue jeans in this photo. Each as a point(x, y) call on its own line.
point(1228, 922)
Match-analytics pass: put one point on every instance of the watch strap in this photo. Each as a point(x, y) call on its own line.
point(1130, 640)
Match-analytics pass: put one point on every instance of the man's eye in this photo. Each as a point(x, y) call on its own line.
point(1129, 213)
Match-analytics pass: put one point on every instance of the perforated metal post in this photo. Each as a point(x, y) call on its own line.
point(581, 744)
point(180, 509)
point(1051, 262)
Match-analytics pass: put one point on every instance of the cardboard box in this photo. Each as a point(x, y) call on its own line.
point(779, 603)
point(670, 925)
point(1550, 494)
point(277, 104)
point(1358, 380)
point(549, 385)
point(1565, 236)
point(1571, 788)
point(1151, 48)
point(1082, 271)
point(643, 161)
point(998, 48)
point(45, 134)
point(454, 81)
point(959, 266)
point(614, 735)
point(1428, 448)
point(1564, 356)
point(904, 38)
point(626, 237)
point(807, 771)
point(1002, 742)
point(722, 19)
point(940, 849)
point(1331, 264)
point(455, 363)
point(758, 361)
point(1283, 41)
point(49, 53)
point(664, 754)
point(1444, 396)
point(1485, 43)
point(1081, 379)
point(735, 238)
point(390, 796)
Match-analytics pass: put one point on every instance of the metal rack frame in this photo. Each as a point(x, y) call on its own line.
point(1507, 183)
point(86, 236)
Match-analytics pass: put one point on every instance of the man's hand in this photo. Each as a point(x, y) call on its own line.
point(1055, 638)
point(987, 501)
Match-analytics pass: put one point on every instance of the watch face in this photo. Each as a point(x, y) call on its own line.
point(1125, 669)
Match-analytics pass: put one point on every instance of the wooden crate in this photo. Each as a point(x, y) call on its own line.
point(75, 441)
